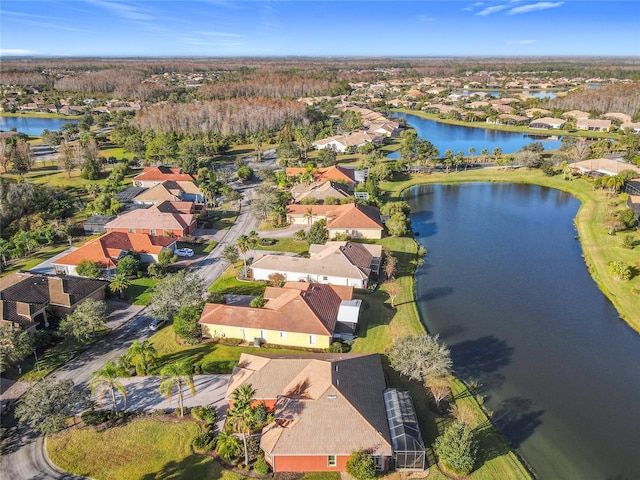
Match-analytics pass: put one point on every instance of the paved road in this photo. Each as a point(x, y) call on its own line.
point(23, 452)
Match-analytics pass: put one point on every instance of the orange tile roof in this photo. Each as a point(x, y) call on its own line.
point(312, 310)
point(158, 174)
point(350, 216)
point(334, 173)
point(161, 216)
point(106, 249)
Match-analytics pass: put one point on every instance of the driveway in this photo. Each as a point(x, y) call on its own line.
point(283, 232)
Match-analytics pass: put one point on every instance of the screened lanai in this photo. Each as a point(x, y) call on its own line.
point(408, 447)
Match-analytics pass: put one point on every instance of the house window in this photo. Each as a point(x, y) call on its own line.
point(283, 334)
point(325, 278)
point(379, 463)
point(332, 460)
point(312, 339)
point(132, 230)
point(153, 231)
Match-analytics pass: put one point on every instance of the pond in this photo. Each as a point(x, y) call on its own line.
point(460, 138)
point(32, 125)
point(505, 286)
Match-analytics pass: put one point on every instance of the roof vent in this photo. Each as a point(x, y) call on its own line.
point(332, 397)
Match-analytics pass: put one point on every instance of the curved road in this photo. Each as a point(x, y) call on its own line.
point(23, 454)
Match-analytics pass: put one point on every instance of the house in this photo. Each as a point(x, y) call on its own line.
point(386, 128)
point(336, 263)
point(334, 173)
point(110, 247)
point(631, 127)
point(534, 112)
point(620, 117)
point(508, 119)
point(353, 220)
point(576, 114)
point(325, 407)
point(96, 223)
point(25, 297)
point(604, 166)
point(297, 315)
point(547, 123)
point(593, 125)
point(350, 141)
point(161, 219)
point(320, 191)
point(174, 191)
point(152, 176)
point(633, 202)
point(71, 110)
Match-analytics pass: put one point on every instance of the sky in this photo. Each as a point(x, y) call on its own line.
point(228, 28)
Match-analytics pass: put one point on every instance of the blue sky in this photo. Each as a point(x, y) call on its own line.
point(318, 28)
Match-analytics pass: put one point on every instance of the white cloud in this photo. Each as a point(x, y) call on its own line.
point(425, 18)
point(520, 42)
point(126, 11)
point(15, 51)
point(490, 10)
point(220, 34)
point(534, 7)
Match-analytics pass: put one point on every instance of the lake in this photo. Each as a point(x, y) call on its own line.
point(505, 286)
point(460, 138)
point(32, 125)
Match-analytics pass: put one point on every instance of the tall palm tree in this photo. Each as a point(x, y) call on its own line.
point(106, 379)
point(309, 215)
point(177, 376)
point(485, 154)
point(142, 354)
point(243, 245)
point(241, 414)
point(253, 239)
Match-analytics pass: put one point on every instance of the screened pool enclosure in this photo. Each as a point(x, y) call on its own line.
point(408, 447)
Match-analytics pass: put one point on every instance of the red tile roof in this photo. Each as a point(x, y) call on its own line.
point(334, 173)
point(159, 174)
point(350, 216)
point(106, 249)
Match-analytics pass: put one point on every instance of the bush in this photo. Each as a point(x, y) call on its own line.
point(258, 302)
point(204, 414)
point(360, 465)
point(218, 366)
point(620, 270)
point(202, 442)
point(217, 297)
point(629, 241)
point(96, 417)
point(456, 449)
point(318, 233)
point(336, 347)
point(277, 280)
point(300, 235)
point(261, 467)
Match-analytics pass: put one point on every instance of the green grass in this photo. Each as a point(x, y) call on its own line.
point(198, 248)
point(286, 245)
point(40, 115)
point(229, 284)
point(117, 152)
point(139, 292)
point(211, 357)
point(224, 219)
point(321, 476)
point(598, 246)
point(144, 448)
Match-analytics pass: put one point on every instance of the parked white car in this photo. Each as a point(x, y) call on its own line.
point(155, 324)
point(184, 252)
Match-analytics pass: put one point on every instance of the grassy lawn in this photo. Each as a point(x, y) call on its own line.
point(286, 245)
point(144, 448)
point(198, 248)
point(223, 219)
point(229, 284)
point(210, 357)
point(117, 152)
point(139, 292)
point(598, 246)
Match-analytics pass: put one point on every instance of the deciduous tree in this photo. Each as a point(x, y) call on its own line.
point(456, 449)
point(174, 292)
point(420, 357)
point(88, 317)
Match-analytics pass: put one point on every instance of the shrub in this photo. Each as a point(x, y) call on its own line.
point(277, 280)
point(629, 241)
point(217, 297)
point(96, 417)
point(218, 366)
point(261, 467)
point(620, 270)
point(202, 442)
point(360, 465)
point(300, 235)
point(204, 414)
point(336, 347)
point(258, 302)
point(456, 449)
point(318, 233)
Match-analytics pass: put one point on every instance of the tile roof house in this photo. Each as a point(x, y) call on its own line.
point(593, 125)
point(326, 406)
point(605, 166)
point(547, 123)
point(336, 263)
point(110, 247)
point(320, 191)
point(298, 314)
point(25, 296)
point(162, 219)
point(173, 191)
point(334, 173)
point(152, 176)
point(354, 220)
point(350, 141)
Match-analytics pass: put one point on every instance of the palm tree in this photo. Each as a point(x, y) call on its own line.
point(485, 154)
point(142, 354)
point(106, 379)
point(241, 414)
point(119, 283)
point(5, 248)
point(243, 245)
point(228, 445)
point(177, 375)
point(253, 239)
point(309, 215)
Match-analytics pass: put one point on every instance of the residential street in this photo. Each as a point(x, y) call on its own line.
point(23, 453)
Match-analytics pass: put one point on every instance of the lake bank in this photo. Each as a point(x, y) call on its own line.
point(599, 248)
